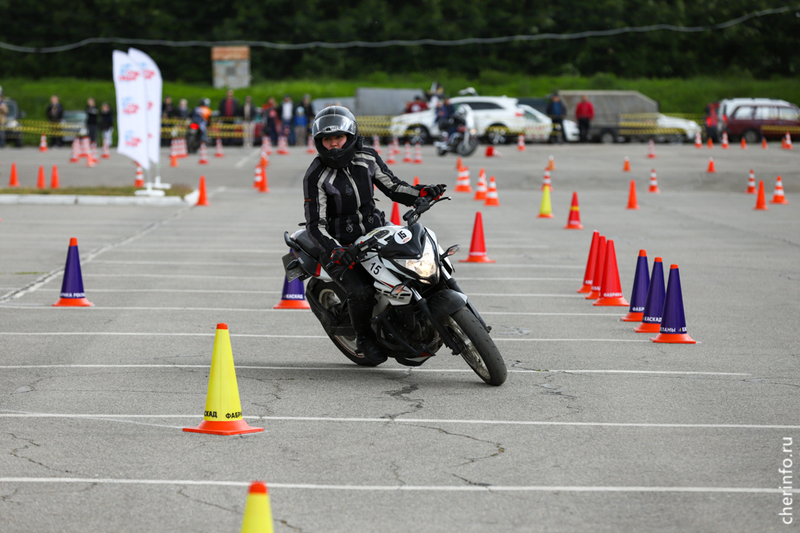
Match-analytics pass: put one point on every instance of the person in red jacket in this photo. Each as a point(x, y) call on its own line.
point(584, 113)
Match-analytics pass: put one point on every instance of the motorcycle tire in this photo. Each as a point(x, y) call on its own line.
point(466, 149)
point(441, 151)
point(328, 295)
point(477, 347)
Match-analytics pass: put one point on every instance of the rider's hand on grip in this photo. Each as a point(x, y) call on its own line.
point(343, 256)
point(433, 191)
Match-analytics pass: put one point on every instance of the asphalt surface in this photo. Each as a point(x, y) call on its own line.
point(597, 428)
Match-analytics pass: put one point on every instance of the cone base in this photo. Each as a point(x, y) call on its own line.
point(648, 327)
point(674, 338)
point(545, 215)
point(634, 207)
point(232, 427)
point(73, 302)
point(654, 191)
point(632, 317)
point(293, 304)
point(586, 289)
point(492, 202)
point(611, 302)
point(761, 208)
point(574, 226)
point(782, 201)
point(463, 188)
point(594, 295)
point(750, 190)
point(480, 196)
point(477, 259)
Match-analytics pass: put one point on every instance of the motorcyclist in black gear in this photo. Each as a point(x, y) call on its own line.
point(340, 207)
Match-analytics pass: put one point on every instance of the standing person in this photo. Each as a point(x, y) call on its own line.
point(339, 207)
point(309, 110)
point(271, 120)
point(167, 109)
point(55, 112)
point(248, 113)
point(183, 110)
point(556, 110)
point(300, 124)
point(3, 118)
point(584, 113)
point(228, 111)
point(106, 123)
point(287, 118)
point(92, 114)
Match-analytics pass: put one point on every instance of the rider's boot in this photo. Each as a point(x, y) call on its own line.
point(360, 315)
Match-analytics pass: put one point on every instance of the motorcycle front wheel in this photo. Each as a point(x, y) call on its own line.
point(467, 148)
point(477, 347)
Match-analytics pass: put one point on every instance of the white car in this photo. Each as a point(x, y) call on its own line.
point(690, 128)
point(498, 119)
point(538, 126)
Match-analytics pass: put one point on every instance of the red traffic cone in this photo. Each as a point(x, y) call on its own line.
point(418, 154)
point(173, 160)
point(491, 194)
point(395, 214)
point(641, 282)
point(477, 249)
point(574, 220)
point(587, 275)
point(459, 164)
point(654, 303)
point(597, 271)
point(219, 152)
point(40, 182)
point(43, 143)
point(653, 182)
point(710, 143)
point(751, 183)
point(551, 163)
point(54, 183)
point(490, 151)
point(139, 182)
point(761, 201)
point(724, 140)
point(778, 197)
point(293, 296)
point(263, 185)
point(257, 510)
point(787, 142)
point(763, 143)
point(651, 149)
point(673, 321)
point(76, 151)
point(203, 155)
point(744, 144)
point(521, 143)
point(202, 199)
point(13, 178)
point(257, 177)
point(481, 189)
point(711, 168)
point(72, 294)
point(416, 180)
point(626, 166)
point(611, 289)
point(463, 182)
point(632, 201)
point(698, 142)
point(546, 182)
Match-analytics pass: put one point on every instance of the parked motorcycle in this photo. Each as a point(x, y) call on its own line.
point(419, 307)
point(463, 142)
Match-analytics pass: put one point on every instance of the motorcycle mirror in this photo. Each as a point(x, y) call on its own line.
point(451, 251)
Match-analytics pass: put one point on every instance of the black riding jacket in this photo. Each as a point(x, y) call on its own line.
point(339, 204)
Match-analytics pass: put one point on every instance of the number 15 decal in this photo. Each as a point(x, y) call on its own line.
point(376, 268)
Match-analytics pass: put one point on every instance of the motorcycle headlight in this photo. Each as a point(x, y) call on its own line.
point(425, 267)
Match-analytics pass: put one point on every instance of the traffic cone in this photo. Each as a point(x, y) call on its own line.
point(477, 249)
point(416, 180)
point(139, 182)
point(106, 149)
point(763, 143)
point(94, 153)
point(597, 271)
point(90, 154)
point(641, 282)
point(521, 143)
point(293, 296)
point(266, 145)
point(546, 210)
point(778, 197)
point(654, 303)
point(311, 148)
point(610, 288)
point(202, 199)
point(651, 149)
point(459, 164)
point(551, 163)
point(587, 275)
point(463, 183)
point(257, 177)
point(761, 203)
point(283, 145)
point(710, 143)
point(673, 321)
point(72, 294)
point(491, 194)
point(54, 183)
point(481, 189)
point(173, 160)
point(751, 183)
point(219, 152)
point(376, 143)
point(395, 214)
point(40, 182)
point(391, 160)
point(13, 178)
point(257, 510)
point(626, 166)
point(75, 156)
point(490, 151)
point(744, 144)
point(203, 155)
point(724, 140)
point(711, 168)
point(263, 186)
point(407, 157)
point(223, 412)
point(632, 202)
point(546, 182)
point(418, 154)
point(43, 143)
point(574, 220)
point(698, 142)
point(653, 182)
point(788, 142)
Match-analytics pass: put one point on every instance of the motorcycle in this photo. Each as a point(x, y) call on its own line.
point(419, 307)
point(194, 137)
point(463, 142)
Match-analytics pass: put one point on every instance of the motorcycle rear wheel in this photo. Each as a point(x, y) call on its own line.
point(477, 347)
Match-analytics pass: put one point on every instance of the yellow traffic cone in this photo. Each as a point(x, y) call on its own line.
point(257, 511)
point(546, 211)
point(223, 413)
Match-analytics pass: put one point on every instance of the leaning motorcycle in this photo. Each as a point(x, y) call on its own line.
point(463, 142)
point(419, 307)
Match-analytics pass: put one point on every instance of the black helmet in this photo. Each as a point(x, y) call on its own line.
point(331, 121)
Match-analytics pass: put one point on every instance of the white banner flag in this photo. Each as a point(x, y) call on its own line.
point(152, 90)
point(131, 103)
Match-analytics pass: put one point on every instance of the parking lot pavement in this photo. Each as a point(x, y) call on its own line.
point(596, 428)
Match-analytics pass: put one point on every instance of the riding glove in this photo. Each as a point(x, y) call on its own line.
point(434, 191)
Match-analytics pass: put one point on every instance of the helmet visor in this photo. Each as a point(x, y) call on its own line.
point(332, 125)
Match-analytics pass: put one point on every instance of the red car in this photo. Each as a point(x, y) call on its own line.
point(754, 118)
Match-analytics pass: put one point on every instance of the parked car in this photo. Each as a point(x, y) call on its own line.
point(757, 118)
point(13, 131)
point(538, 126)
point(73, 124)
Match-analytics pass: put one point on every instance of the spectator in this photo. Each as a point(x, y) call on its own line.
point(287, 118)
point(183, 110)
point(3, 118)
point(106, 123)
point(248, 113)
point(309, 109)
point(300, 124)
point(228, 111)
point(55, 113)
point(167, 109)
point(584, 113)
point(271, 120)
point(556, 110)
point(91, 120)
point(417, 105)
point(712, 123)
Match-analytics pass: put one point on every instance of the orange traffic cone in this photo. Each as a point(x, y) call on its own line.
point(763, 143)
point(416, 180)
point(283, 145)
point(263, 185)
point(490, 151)
point(223, 412)
point(698, 142)
point(407, 158)
point(219, 152)
point(87, 148)
point(264, 161)
point(521, 143)
point(43, 143)
point(710, 143)
point(724, 140)
point(257, 510)
point(477, 249)
point(482, 189)
point(462, 182)
point(203, 155)
point(13, 179)
point(106, 149)
point(257, 177)
point(418, 154)
point(779, 198)
point(376, 144)
point(611, 289)
point(40, 182)
point(787, 142)
point(459, 164)
point(574, 220)
point(202, 199)
point(311, 148)
point(173, 160)
point(587, 275)
point(293, 296)
point(76, 151)
point(546, 182)
point(673, 321)
point(395, 214)
point(653, 182)
point(597, 271)
point(54, 184)
point(651, 149)
point(751, 183)
point(632, 201)
point(72, 294)
point(761, 203)
point(744, 144)
point(391, 160)
point(711, 168)
point(491, 194)
point(626, 166)
point(139, 182)
point(551, 163)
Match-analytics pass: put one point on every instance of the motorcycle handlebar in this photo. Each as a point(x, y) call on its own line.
point(421, 205)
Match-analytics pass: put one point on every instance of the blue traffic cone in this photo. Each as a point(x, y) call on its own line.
point(673, 322)
point(641, 282)
point(654, 305)
point(72, 294)
point(294, 295)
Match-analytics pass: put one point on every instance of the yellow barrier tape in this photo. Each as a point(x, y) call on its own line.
point(780, 129)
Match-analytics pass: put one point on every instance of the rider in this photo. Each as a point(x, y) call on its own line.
point(462, 117)
point(200, 115)
point(340, 208)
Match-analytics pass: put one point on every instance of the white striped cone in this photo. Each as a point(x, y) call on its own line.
point(546, 183)
point(521, 143)
point(698, 141)
point(418, 154)
point(312, 148)
point(651, 149)
point(407, 157)
point(491, 194)
point(725, 140)
point(76, 151)
point(283, 146)
point(106, 149)
point(203, 154)
point(653, 182)
point(219, 152)
point(481, 189)
point(257, 178)
point(462, 183)
point(751, 183)
point(376, 143)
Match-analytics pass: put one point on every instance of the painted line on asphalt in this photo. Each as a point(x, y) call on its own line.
point(406, 488)
point(243, 160)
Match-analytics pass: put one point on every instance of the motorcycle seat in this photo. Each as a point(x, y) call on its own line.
point(308, 244)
